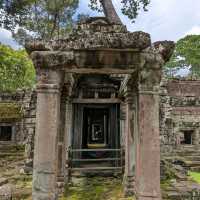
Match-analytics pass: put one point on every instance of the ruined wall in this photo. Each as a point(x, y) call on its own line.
point(179, 111)
point(18, 110)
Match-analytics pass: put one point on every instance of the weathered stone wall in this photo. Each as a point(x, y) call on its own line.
point(23, 122)
point(179, 111)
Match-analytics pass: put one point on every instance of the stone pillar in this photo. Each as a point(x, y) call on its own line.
point(61, 142)
point(122, 124)
point(196, 138)
point(148, 137)
point(68, 131)
point(46, 137)
point(148, 159)
point(129, 145)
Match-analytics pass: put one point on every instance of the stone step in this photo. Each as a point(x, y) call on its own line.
point(192, 158)
point(181, 152)
point(181, 176)
point(195, 169)
point(7, 154)
point(192, 163)
point(11, 148)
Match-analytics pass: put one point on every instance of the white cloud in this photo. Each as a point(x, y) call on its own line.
point(195, 30)
point(6, 38)
point(165, 19)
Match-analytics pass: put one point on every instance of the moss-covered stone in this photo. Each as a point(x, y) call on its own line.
point(195, 176)
point(96, 188)
point(10, 111)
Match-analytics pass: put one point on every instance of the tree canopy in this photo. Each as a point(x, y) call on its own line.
point(52, 18)
point(130, 8)
point(186, 54)
point(44, 19)
point(16, 69)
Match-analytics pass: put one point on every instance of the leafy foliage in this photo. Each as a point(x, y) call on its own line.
point(16, 69)
point(186, 54)
point(195, 176)
point(45, 19)
point(130, 8)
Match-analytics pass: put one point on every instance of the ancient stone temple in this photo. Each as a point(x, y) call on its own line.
point(98, 90)
point(179, 115)
point(17, 117)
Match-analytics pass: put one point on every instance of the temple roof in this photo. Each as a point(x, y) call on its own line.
point(95, 33)
point(95, 44)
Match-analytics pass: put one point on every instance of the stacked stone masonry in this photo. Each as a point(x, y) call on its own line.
point(125, 67)
point(179, 111)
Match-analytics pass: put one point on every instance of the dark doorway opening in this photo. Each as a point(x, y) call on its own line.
point(96, 141)
point(5, 133)
point(95, 127)
point(187, 137)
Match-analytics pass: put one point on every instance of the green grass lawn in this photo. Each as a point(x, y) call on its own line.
point(195, 176)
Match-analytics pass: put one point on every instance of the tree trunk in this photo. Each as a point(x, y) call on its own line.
point(110, 12)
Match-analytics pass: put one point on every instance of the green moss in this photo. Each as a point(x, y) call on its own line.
point(194, 176)
point(10, 111)
point(97, 188)
point(165, 184)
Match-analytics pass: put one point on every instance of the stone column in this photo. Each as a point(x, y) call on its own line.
point(61, 142)
point(46, 137)
point(148, 160)
point(196, 138)
point(129, 144)
point(148, 137)
point(68, 131)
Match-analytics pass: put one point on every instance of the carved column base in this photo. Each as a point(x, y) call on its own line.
point(61, 185)
point(129, 186)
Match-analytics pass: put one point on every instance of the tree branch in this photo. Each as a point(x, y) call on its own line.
point(110, 12)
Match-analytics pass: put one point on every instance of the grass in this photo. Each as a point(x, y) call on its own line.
point(96, 188)
point(194, 176)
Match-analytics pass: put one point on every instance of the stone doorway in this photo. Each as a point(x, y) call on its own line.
point(104, 50)
point(95, 127)
point(6, 133)
point(188, 137)
point(96, 137)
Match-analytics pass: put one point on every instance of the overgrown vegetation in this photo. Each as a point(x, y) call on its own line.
point(186, 55)
point(95, 188)
point(16, 69)
point(10, 111)
point(11, 161)
point(194, 176)
point(44, 19)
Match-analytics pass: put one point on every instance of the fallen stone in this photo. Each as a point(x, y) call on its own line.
point(3, 181)
point(6, 192)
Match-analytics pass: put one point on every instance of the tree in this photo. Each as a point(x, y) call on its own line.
point(16, 69)
point(48, 19)
point(45, 19)
point(186, 54)
point(130, 8)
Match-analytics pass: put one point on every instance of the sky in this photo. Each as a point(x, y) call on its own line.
point(165, 19)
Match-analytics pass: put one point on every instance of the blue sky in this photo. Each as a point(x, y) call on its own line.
point(165, 19)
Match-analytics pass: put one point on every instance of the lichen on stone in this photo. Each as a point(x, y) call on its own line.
point(10, 111)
